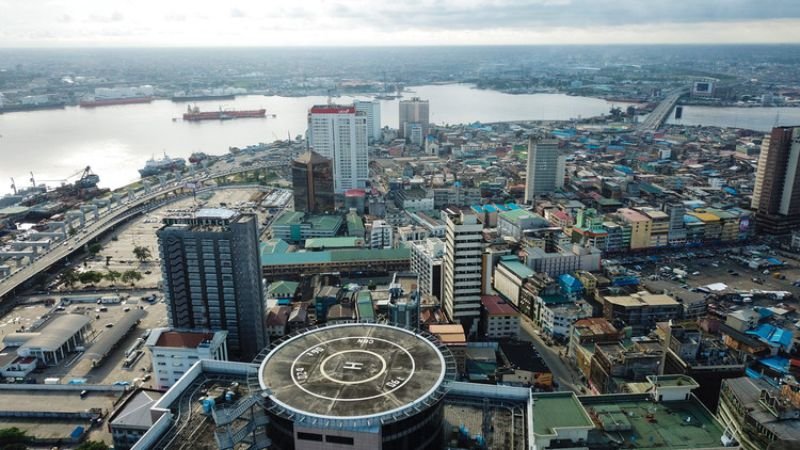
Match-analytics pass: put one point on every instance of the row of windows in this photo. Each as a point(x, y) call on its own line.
point(343, 440)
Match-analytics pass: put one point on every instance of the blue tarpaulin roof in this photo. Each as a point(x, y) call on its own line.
point(774, 261)
point(777, 363)
point(773, 335)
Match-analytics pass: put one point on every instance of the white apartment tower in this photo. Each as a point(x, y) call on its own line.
point(371, 109)
point(426, 262)
point(380, 235)
point(462, 269)
point(546, 168)
point(339, 133)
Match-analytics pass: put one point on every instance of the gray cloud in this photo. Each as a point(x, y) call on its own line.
point(444, 15)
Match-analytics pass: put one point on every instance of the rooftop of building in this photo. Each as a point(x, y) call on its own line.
point(516, 266)
point(631, 215)
point(328, 387)
point(672, 381)
point(278, 315)
point(748, 392)
point(334, 242)
point(181, 339)
point(448, 334)
point(289, 218)
point(523, 356)
point(274, 246)
point(517, 215)
point(496, 306)
point(555, 411)
point(331, 256)
point(311, 157)
point(56, 332)
point(640, 423)
point(595, 326)
point(134, 413)
point(332, 109)
point(641, 299)
point(705, 217)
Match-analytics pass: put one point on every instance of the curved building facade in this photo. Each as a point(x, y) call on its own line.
point(358, 386)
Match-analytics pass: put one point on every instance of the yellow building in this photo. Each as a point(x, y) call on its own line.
point(641, 227)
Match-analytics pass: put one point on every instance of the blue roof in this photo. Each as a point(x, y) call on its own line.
point(570, 283)
point(774, 261)
point(777, 363)
point(730, 190)
point(773, 335)
point(690, 219)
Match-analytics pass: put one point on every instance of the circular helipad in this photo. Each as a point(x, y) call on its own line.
point(352, 371)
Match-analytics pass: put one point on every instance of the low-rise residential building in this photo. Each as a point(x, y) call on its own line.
point(173, 352)
point(641, 311)
point(584, 333)
point(514, 222)
point(277, 321)
point(614, 365)
point(499, 319)
point(132, 418)
point(563, 261)
point(296, 226)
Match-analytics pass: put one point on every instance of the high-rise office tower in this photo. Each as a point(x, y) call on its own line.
point(462, 268)
point(546, 168)
point(776, 194)
point(414, 111)
point(339, 133)
point(211, 271)
point(371, 109)
point(312, 182)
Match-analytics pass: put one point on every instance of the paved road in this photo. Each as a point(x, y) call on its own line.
point(108, 218)
point(657, 117)
point(566, 377)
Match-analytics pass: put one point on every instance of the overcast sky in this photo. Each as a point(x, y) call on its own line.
point(102, 23)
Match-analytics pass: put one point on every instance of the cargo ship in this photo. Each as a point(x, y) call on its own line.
point(221, 93)
point(166, 164)
point(194, 114)
point(118, 96)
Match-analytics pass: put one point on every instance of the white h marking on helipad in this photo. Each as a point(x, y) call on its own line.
point(352, 365)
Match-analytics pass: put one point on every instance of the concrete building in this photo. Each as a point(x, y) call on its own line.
point(131, 420)
point(545, 169)
point(641, 227)
point(277, 321)
point(462, 269)
point(371, 109)
point(312, 184)
point(558, 263)
point(760, 415)
point(296, 227)
point(426, 262)
point(515, 222)
point(53, 342)
point(339, 133)
point(583, 334)
point(413, 111)
point(614, 365)
point(380, 235)
point(509, 277)
point(776, 193)
point(211, 272)
point(173, 352)
point(641, 311)
point(499, 320)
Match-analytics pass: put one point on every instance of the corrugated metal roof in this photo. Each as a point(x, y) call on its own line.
point(57, 332)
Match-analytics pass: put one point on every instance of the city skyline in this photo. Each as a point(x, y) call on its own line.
point(420, 22)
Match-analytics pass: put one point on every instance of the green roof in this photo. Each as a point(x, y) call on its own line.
point(674, 425)
point(334, 242)
point(355, 226)
point(325, 222)
point(603, 201)
point(552, 411)
point(513, 264)
point(282, 288)
point(289, 218)
point(515, 215)
point(364, 305)
point(327, 256)
point(274, 246)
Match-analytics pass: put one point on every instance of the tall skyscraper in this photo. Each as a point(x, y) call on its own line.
point(462, 268)
point(546, 168)
point(371, 109)
point(776, 194)
point(414, 111)
point(312, 182)
point(211, 271)
point(339, 133)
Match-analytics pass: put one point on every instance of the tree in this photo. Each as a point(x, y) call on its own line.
point(142, 253)
point(95, 248)
point(90, 277)
point(112, 276)
point(12, 436)
point(92, 445)
point(131, 276)
point(69, 277)
point(72, 231)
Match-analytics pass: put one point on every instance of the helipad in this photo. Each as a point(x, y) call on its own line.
point(352, 371)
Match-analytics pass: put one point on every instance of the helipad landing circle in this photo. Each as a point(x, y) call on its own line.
point(352, 370)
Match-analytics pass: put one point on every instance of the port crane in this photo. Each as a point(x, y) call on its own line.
point(87, 179)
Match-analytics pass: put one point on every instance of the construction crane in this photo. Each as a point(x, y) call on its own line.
point(87, 179)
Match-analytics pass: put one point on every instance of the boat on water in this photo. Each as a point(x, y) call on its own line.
point(118, 96)
point(166, 164)
point(193, 114)
point(226, 93)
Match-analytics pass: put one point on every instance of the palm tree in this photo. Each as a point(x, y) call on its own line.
point(142, 253)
